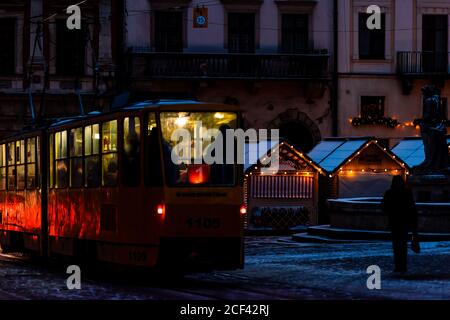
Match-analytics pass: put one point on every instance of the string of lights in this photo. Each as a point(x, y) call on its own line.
point(386, 121)
point(341, 169)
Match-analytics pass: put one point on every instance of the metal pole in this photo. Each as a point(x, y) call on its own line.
point(335, 75)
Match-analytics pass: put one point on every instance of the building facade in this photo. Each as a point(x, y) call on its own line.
point(382, 71)
point(271, 57)
point(47, 70)
point(274, 58)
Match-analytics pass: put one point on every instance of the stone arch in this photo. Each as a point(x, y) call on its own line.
point(298, 128)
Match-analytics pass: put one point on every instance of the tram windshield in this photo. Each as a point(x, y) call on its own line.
point(195, 148)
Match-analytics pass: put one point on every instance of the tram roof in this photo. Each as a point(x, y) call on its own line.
point(160, 105)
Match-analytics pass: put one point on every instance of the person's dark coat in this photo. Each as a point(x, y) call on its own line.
point(398, 204)
point(400, 207)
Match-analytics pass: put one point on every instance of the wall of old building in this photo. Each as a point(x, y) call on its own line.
point(263, 102)
point(34, 53)
point(379, 77)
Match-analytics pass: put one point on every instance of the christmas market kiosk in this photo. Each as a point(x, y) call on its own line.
point(357, 167)
point(282, 196)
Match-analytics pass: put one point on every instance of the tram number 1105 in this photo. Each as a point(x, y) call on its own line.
point(203, 223)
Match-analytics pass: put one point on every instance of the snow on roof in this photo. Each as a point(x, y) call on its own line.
point(411, 151)
point(253, 151)
point(322, 150)
point(331, 153)
point(257, 151)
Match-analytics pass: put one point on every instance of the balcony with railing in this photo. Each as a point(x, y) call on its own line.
point(422, 63)
point(156, 65)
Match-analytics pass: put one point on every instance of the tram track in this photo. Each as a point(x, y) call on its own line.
point(188, 288)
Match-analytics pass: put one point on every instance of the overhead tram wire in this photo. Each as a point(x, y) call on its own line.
point(132, 13)
point(95, 68)
point(213, 3)
point(37, 43)
point(77, 67)
point(142, 12)
point(54, 14)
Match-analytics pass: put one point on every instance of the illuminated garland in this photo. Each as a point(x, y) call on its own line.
point(351, 171)
point(389, 122)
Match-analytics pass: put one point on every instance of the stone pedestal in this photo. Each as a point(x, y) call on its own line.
point(430, 187)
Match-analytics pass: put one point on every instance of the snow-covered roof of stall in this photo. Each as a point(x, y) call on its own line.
point(411, 150)
point(331, 153)
point(255, 151)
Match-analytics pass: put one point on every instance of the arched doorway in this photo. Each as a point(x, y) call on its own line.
point(298, 128)
point(298, 134)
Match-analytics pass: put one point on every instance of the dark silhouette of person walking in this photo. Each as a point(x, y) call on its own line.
point(400, 207)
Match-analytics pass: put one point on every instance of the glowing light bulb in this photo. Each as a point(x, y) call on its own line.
point(219, 115)
point(181, 122)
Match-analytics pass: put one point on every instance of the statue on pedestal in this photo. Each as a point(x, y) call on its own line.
point(433, 130)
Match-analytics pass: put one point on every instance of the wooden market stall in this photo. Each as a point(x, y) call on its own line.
point(357, 167)
point(283, 196)
point(411, 151)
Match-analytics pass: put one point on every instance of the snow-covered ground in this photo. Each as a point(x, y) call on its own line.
point(276, 268)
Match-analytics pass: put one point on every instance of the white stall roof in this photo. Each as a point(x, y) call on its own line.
point(255, 151)
point(411, 151)
point(322, 150)
point(330, 154)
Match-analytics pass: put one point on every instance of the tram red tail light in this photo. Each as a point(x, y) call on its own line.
point(243, 209)
point(161, 209)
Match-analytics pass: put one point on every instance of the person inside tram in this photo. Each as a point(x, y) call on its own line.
point(153, 159)
point(130, 163)
point(61, 173)
point(92, 176)
point(223, 173)
point(110, 174)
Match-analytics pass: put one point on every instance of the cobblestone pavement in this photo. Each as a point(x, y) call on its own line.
point(276, 268)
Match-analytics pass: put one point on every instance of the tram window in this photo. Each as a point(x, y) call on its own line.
point(110, 167)
point(92, 155)
point(109, 130)
point(38, 162)
point(76, 142)
point(11, 166)
point(76, 158)
point(209, 125)
point(20, 164)
point(61, 161)
point(131, 155)
point(153, 167)
point(52, 159)
point(31, 163)
point(2, 167)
